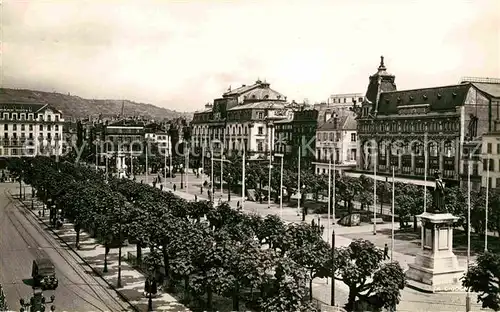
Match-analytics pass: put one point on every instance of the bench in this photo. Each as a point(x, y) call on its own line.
point(376, 220)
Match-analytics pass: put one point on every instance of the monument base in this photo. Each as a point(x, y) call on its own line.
point(436, 267)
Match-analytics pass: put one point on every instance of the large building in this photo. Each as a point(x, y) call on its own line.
point(394, 126)
point(336, 144)
point(30, 129)
point(242, 119)
point(299, 130)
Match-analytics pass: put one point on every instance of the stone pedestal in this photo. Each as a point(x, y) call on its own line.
point(436, 267)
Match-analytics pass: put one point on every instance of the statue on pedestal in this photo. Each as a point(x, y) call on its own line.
point(438, 205)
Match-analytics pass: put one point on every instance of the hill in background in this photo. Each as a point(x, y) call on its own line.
point(77, 107)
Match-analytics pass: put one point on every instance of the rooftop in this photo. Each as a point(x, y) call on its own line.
point(439, 98)
point(260, 105)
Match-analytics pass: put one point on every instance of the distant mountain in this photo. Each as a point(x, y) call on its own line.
point(77, 107)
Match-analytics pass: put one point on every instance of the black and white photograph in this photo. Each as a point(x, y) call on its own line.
point(249, 155)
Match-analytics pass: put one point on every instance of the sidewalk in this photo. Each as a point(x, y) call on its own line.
point(411, 300)
point(92, 253)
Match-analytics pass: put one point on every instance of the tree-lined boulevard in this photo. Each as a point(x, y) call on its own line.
point(213, 252)
point(22, 240)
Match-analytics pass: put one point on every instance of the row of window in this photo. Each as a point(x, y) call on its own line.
point(489, 148)
point(30, 127)
point(344, 100)
point(22, 116)
point(30, 135)
point(332, 136)
point(410, 126)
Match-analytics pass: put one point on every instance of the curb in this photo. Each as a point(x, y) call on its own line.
point(125, 299)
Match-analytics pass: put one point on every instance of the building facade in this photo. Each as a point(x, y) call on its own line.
point(243, 119)
point(395, 129)
point(336, 143)
point(158, 135)
point(30, 129)
point(339, 104)
point(297, 131)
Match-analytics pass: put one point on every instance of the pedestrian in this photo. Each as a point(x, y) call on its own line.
point(386, 252)
point(175, 187)
point(195, 197)
point(201, 190)
point(142, 181)
point(238, 205)
point(161, 187)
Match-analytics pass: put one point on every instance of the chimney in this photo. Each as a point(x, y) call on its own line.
point(328, 115)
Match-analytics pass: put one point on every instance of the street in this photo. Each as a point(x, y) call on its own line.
point(22, 240)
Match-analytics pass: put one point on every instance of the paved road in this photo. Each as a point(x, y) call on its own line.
point(22, 240)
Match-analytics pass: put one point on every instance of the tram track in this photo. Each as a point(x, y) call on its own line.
point(92, 297)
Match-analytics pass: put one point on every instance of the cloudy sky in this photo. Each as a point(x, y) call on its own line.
point(182, 54)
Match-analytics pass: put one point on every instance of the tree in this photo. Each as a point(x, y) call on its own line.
point(285, 292)
point(482, 278)
point(361, 262)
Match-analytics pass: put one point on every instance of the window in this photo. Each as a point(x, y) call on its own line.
point(261, 130)
point(14, 127)
point(49, 127)
point(40, 117)
point(41, 127)
point(23, 116)
point(5, 116)
point(31, 127)
point(260, 147)
point(30, 135)
point(489, 148)
point(498, 148)
point(353, 137)
point(5, 127)
point(22, 128)
point(353, 155)
point(14, 116)
point(360, 99)
point(30, 116)
point(489, 182)
point(57, 117)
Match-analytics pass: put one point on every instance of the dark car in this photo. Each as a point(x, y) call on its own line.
point(44, 274)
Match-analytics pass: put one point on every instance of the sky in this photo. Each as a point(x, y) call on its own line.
point(183, 54)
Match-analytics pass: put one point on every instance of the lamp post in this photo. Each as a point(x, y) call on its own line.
point(182, 175)
point(147, 167)
point(332, 290)
point(281, 183)
point(119, 280)
point(392, 227)
point(303, 208)
point(269, 184)
point(375, 155)
point(187, 170)
point(243, 178)
point(229, 187)
point(467, 298)
point(298, 184)
point(487, 204)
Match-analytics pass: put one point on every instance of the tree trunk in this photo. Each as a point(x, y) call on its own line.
point(186, 288)
point(351, 300)
point(209, 299)
point(166, 264)
point(77, 241)
point(139, 253)
point(236, 297)
point(311, 289)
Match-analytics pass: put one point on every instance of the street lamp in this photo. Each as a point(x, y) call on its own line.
point(229, 187)
point(150, 288)
point(37, 302)
point(119, 280)
point(269, 184)
point(301, 193)
point(281, 183)
point(182, 176)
